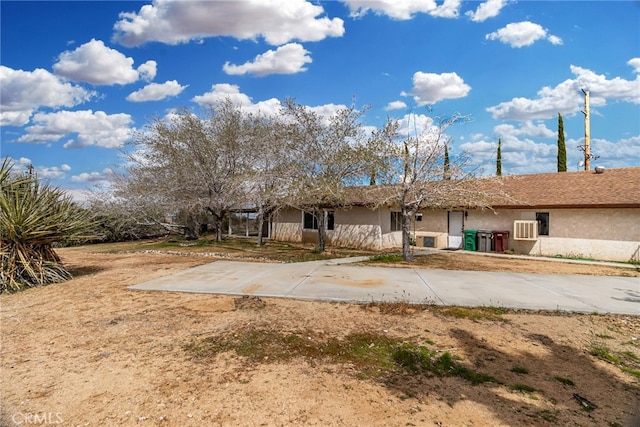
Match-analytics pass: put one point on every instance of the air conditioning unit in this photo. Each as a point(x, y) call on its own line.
point(525, 230)
point(427, 241)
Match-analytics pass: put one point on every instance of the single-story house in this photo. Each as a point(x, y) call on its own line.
point(584, 214)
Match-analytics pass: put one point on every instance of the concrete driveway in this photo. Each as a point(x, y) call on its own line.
point(336, 280)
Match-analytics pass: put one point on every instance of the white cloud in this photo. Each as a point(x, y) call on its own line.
point(95, 63)
point(486, 10)
point(414, 124)
point(222, 91)
point(395, 105)
point(519, 34)
point(287, 59)
point(555, 40)
point(613, 154)
point(148, 70)
point(99, 128)
point(278, 21)
point(635, 63)
point(156, 91)
point(22, 165)
point(527, 128)
point(52, 171)
point(104, 177)
point(448, 9)
point(403, 10)
point(429, 88)
point(567, 97)
point(22, 92)
point(519, 156)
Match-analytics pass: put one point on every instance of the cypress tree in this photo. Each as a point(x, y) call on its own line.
point(447, 165)
point(562, 149)
point(499, 159)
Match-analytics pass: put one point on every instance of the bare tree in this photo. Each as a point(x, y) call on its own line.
point(269, 177)
point(411, 170)
point(190, 165)
point(326, 155)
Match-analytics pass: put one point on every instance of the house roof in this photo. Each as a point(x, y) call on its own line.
point(613, 188)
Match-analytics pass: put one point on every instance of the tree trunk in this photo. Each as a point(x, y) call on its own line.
point(191, 228)
point(321, 230)
point(260, 224)
point(406, 234)
point(218, 216)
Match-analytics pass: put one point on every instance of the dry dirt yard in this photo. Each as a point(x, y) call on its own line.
point(90, 352)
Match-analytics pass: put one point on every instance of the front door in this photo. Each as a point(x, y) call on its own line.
point(456, 224)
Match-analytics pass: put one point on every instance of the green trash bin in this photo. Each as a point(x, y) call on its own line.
point(470, 240)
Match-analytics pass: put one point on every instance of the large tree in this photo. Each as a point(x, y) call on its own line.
point(191, 166)
point(269, 174)
point(411, 170)
point(326, 155)
point(562, 149)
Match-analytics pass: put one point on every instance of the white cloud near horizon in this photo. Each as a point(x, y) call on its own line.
point(223, 91)
point(520, 34)
point(90, 128)
point(23, 92)
point(95, 63)
point(403, 10)
point(277, 21)
point(156, 91)
point(287, 59)
point(429, 88)
point(486, 10)
point(22, 164)
point(527, 128)
point(567, 97)
point(97, 178)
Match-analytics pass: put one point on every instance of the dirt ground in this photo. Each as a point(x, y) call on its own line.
point(90, 352)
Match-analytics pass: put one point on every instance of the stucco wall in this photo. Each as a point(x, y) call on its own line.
point(604, 234)
point(287, 226)
point(359, 227)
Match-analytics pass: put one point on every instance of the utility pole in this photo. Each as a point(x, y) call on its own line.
point(587, 132)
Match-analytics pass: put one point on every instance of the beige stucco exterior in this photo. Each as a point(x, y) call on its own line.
point(360, 227)
point(604, 234)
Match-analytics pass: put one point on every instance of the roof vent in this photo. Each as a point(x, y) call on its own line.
point(599, 169)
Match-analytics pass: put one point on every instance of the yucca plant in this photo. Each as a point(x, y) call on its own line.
point(33, 216)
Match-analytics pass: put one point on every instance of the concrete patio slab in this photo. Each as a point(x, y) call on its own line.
point(336, 280)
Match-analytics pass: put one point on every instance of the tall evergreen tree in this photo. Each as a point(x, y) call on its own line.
point(499, 159)
point(447, 164)
point(562, 149)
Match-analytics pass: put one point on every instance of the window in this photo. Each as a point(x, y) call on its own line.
point(543, 223)
point(310, 221)
point(396, 221)
point(331, 220)
point(418, 217)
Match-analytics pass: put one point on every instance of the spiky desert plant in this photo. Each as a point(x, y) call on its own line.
point(33, 216)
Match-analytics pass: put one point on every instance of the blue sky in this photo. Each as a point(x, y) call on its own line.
point(78, 77)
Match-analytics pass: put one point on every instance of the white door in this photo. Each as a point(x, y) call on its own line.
point(456, 223)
